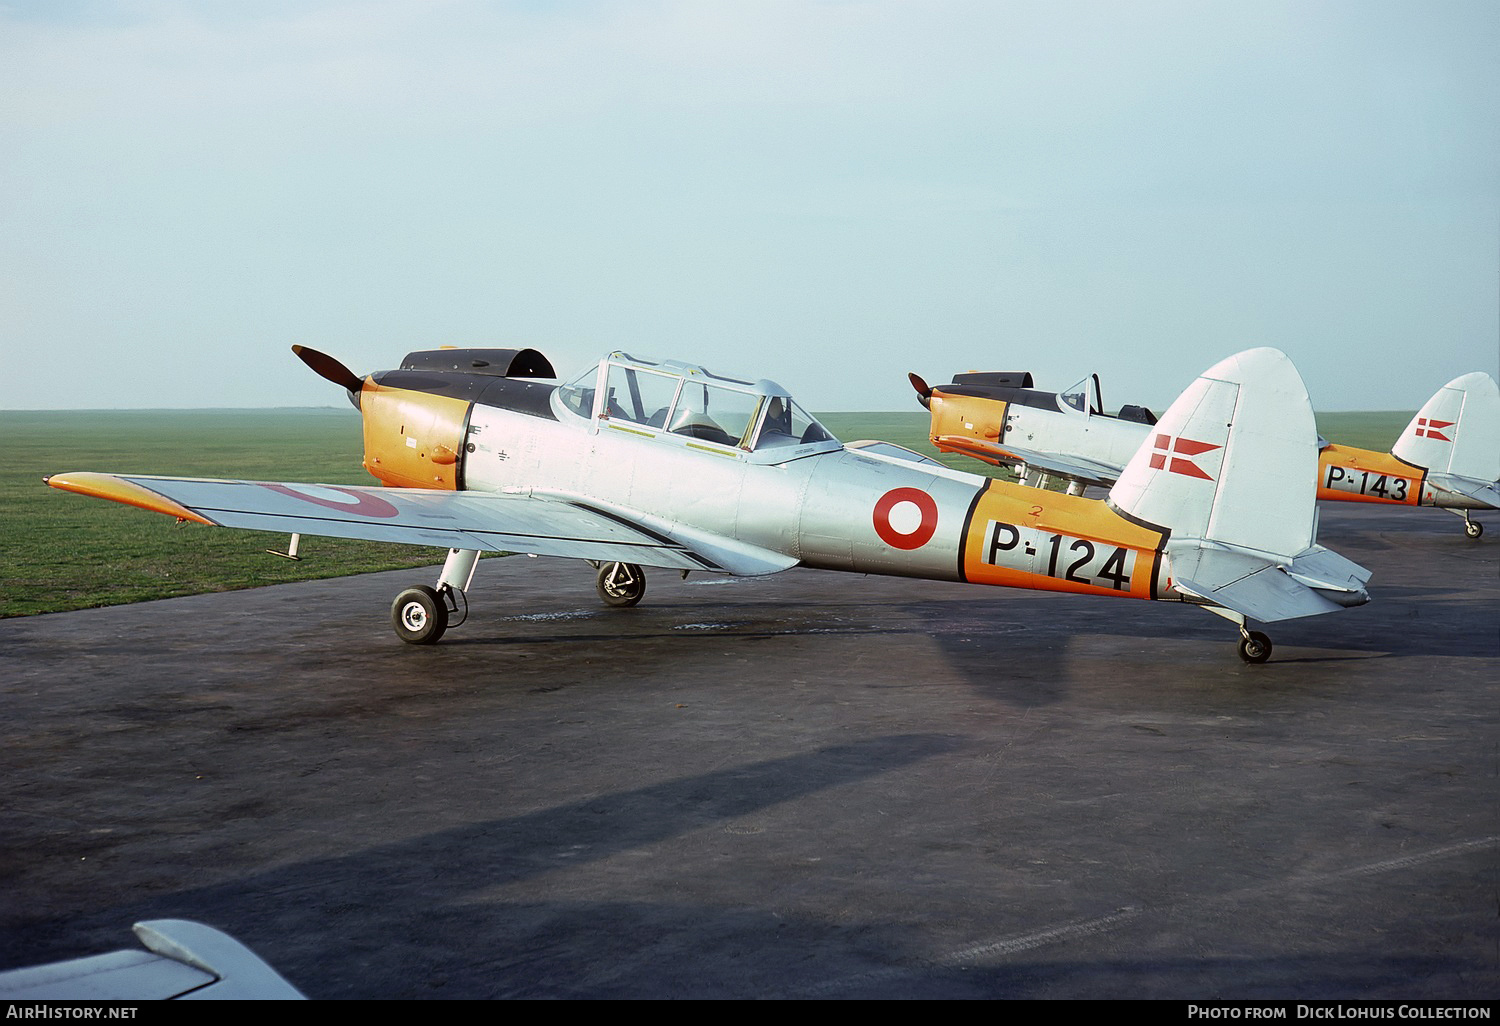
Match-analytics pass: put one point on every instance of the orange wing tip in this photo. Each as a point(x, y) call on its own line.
point(107, 486)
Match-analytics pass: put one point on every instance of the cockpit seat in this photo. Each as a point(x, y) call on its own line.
point(696, 425)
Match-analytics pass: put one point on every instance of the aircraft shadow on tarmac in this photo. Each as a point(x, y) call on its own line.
point(1415, 621)
point(432, 916)
point(373, 923)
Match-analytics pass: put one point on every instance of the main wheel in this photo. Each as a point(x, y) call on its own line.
point(1256, 648)
point(1473, 528)
point(620, 584)
point(419, 615)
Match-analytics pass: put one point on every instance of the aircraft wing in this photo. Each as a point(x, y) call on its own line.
point(184, 960)
point(542, 525)
point(1087, 471)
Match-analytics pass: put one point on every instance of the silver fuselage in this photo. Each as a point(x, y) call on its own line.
point(817, 506)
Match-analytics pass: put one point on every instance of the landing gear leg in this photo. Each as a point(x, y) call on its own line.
point(1472, 527)
point(421, 615)
point(620, 584)
point(1255, 647)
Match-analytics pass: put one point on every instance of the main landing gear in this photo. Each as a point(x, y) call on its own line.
point(620, 584)
point(421, 615)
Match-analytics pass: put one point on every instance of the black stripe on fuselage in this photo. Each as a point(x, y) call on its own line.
point(963, 537)
point(1163, 533)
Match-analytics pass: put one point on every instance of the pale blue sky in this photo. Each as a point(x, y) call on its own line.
point(828, 194)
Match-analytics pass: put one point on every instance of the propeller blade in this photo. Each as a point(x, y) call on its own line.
point(327, 367)
point(924, 391)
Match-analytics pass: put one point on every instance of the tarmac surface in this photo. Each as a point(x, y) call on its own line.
point(804, 786)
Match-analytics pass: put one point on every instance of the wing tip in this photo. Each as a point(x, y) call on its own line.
point(118, 489)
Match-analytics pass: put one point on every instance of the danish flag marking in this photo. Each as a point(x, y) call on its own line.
point(1433, 429)
point(1170, 455)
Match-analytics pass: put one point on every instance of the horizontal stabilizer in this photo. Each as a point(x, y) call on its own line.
point(1319, 581)
point(1481, 491)
point(1343, 579)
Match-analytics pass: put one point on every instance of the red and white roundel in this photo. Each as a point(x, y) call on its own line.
point(345, 500)
point(905, 518)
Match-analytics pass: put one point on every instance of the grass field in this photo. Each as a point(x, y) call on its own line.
point(61, 551)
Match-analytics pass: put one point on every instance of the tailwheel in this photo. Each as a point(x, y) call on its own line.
point(1255, 647)
point(620, 584)
point(419, 615)
point(1473, 528)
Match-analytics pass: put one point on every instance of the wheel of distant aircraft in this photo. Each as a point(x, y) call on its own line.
point(1473, 528)
point(419, 615)
point(1255, 647)
point(620, 584)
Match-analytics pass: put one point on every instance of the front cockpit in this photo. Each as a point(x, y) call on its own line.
point(684, 404)
point(1082, 397)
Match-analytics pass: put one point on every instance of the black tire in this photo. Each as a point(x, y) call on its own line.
point(1256, 648)
point(419, 615)
point(620, 584)
point(1473, 528)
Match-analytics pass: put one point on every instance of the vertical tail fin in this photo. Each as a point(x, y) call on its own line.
point(1233, 460)
point(1457, 431)
point(1231, 471)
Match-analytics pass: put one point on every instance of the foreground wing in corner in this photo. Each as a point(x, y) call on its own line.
point(544, 526)
point(183, 960)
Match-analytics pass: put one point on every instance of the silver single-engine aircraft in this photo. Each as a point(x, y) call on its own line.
point(1448, 456)
point(635, 463)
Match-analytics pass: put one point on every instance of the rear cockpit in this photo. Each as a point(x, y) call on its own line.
point(1084, 398)
point(684, 404)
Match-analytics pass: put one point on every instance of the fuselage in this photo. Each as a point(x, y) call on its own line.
point(1003, 432)
point(816, 502)
point(834, 509)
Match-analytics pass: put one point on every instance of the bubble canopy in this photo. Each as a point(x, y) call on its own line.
point(682, 401)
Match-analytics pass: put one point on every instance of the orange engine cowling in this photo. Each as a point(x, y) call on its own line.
point(962, 416)
point(413, 439)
